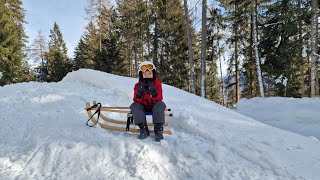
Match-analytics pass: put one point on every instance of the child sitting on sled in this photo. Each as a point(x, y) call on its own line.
point(148, 98)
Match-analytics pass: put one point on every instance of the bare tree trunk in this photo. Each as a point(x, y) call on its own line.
point(135, 58)
point(317, 56)
point(155, 45)
point(267, 86)
point(192, 85)
point(203, 48)
point(302, 77)
point(237, 89)
point(141, 46)
point(148, 31)
point(100, 33)
point(129, 59)
point(42, 57)
point(38, 51)
point(237, 67)
point(255, 39)
point(221, 78)
point(42, 73)
point(251, 76)
point(314, 43)
point(94, 12)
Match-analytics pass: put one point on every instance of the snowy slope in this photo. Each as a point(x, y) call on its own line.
point(299, 115)
point(44, 137)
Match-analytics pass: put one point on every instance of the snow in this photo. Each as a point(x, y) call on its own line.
point(44, 136)
point(33, 64)
point(292, 114)
point(263, 60)
point(282, 80)
point(7, 5)
point(278, 42)
point(304, 51)
point(272, 24)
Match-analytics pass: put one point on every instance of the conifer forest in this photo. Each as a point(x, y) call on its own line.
point(224, 51)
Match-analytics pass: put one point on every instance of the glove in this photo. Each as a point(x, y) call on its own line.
point(141, 89)
point(152, 90)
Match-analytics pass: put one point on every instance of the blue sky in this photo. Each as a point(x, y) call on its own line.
point(70, 15)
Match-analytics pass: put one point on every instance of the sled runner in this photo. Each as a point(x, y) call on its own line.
point(97, 108)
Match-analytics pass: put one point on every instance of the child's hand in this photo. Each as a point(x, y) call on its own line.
point(141, 88)
point(152, 90)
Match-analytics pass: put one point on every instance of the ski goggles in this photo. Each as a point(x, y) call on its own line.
point(146, 67)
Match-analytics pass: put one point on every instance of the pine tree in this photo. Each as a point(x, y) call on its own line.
point(58, 62)
point(125, 29)
point(170, 43)
point(250, 72)
point(203, 48)
point(12, 42)
point(236, 16)
point(255, 41)
point(99, 47)
point(281, 48)
point(300, 56)
point(27, 73)
point(114, 46)
point(87, 48)
point(192, 88)
point(314, 49)
point(80, 57)
point(154, 29)
point(134, 24)
point(109, 58)
point(99, 13)
point(116, 66)
point(216, 24)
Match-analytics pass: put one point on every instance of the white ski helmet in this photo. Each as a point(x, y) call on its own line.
point(147, 65)
point(143, 66)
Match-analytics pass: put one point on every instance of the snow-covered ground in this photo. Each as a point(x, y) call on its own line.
point(44, 136)
point(299, 115)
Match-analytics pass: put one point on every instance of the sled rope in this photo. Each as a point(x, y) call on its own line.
point(98, 106)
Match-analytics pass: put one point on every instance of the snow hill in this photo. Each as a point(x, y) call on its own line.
point(44, 136)
point(299, 115)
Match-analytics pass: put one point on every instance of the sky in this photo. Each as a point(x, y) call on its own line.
point(70, 15)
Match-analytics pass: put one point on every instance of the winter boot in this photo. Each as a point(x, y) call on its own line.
point(158, 131)
point(144, 132)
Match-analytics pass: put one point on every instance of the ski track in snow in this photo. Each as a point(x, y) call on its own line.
point(44, 136)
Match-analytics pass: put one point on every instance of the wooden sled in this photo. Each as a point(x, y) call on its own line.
point(98, 109)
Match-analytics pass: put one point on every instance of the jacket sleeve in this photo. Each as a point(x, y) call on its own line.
point(135, 99)
point(158, 86)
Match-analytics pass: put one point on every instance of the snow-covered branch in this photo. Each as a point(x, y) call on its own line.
point(271, 24)
point(316, 54)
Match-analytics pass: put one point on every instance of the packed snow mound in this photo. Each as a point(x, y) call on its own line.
point(44, 136)
point(299, 115)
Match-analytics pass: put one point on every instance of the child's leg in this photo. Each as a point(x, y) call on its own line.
point(138, 113)
point(158, 112)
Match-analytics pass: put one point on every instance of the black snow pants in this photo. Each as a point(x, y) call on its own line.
point(138, 112)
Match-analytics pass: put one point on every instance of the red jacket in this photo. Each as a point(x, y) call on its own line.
point(147, 100)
